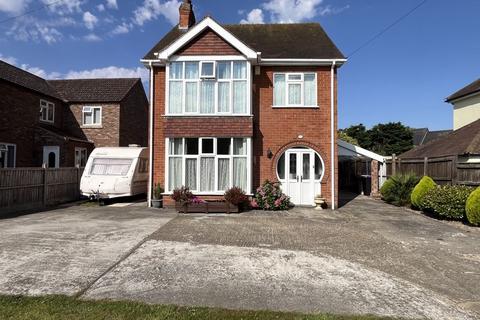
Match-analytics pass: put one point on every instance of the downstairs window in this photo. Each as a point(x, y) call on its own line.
point(208, 165)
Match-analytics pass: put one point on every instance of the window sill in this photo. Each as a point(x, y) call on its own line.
point(92, 126)
point(295, 107)
point(47, 121)
point(207, 115)
point(197, 193)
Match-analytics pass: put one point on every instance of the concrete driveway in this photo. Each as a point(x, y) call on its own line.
point(63, 251)
point(368, 257)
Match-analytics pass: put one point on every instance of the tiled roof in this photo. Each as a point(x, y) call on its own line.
point(94, 90)
point(465, 140)
point(26, 79)
point(422, 136)
point(280, 41)
point(72, 90)
point(465, 91)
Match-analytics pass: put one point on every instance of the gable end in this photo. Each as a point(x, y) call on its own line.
point(208, 43)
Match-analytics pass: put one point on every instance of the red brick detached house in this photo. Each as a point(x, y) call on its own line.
point(234, 105)
point(59, 122)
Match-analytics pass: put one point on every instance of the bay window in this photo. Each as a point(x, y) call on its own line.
point(295, 90)
point(208, 165)
point(208, 87)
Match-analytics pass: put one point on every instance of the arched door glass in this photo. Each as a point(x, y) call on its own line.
point(52, 159)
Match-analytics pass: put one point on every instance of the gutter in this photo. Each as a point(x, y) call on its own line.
point(332, 130)
point(150, 138)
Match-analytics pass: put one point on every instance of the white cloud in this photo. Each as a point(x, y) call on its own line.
point(28, 28)
point(90, 20)
point(151, 9)
point(64, 7)
point(101, 7)
point(40, 72)
point(92, 37)
point(109, 72)
point(254, 16)
point(10, 60)
point(13, 6)
point(122, 28)
point(112, 4)
point(290, 11)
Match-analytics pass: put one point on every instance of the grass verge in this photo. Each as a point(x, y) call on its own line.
point(62, 307)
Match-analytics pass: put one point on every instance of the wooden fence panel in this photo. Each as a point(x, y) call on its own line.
point(444, 170)
point(35, 188)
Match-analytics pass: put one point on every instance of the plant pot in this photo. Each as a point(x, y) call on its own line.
point(157, 203)
point(206, 207)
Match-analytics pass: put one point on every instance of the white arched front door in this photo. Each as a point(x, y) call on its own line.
point(300, 170)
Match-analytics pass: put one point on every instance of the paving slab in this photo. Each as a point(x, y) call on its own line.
point(62, 251)
point(257, 278)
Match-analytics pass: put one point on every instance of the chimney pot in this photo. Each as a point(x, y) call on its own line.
point(187, 16)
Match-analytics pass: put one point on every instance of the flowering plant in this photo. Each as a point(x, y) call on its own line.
point(197, 200)
point(237, 197)
point(182, 195)
point(270, 197)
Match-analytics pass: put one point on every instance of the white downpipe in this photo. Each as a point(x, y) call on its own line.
point(332, 130)
point(150, 138)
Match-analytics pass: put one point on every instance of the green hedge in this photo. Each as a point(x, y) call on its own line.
point(447, 201)
point(473, 207)
point(397, 189)
point(420, 190)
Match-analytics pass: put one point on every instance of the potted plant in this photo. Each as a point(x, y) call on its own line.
point(182, 197)
point(236, 200)
point(157, 200)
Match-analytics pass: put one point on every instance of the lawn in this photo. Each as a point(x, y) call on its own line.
point(62, 307)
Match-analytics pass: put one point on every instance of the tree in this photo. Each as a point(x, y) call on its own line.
point(345, 137)
point(359, 133)
point(385, 139)
point(390, 138)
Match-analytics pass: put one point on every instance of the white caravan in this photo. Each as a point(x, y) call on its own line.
point(115, 172)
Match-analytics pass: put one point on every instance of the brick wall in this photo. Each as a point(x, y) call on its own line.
point(278, 129)
point(208, 43)
point(105, 135)
point(134, 117)
point(158, 125)
point(208, 126)
point(19, 113)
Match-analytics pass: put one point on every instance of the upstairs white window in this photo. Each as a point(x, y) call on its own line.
point(295, 90)
point(208, 87)
point(47, 111)
point(7, 155)
point(92, 116)
point(208, 69)
point(80, 157)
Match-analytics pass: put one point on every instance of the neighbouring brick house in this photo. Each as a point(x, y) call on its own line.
point(59, 122)
point(233, 105)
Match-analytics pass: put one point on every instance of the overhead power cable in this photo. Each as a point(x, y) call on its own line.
point(387, 28)
point(46, 5)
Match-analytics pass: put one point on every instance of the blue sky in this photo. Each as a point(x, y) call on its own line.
point(404, 75)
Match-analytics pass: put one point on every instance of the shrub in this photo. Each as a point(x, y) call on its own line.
point(237, 197)
point(420, 190)
point(157, 191)
point(447, 201)
point(397, 189)
point(182, 195)
point(270, 197)
point(473, 207)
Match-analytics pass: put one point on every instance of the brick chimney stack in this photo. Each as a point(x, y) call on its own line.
point(187, 16)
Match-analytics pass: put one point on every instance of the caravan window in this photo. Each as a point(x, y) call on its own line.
point(110, 167)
